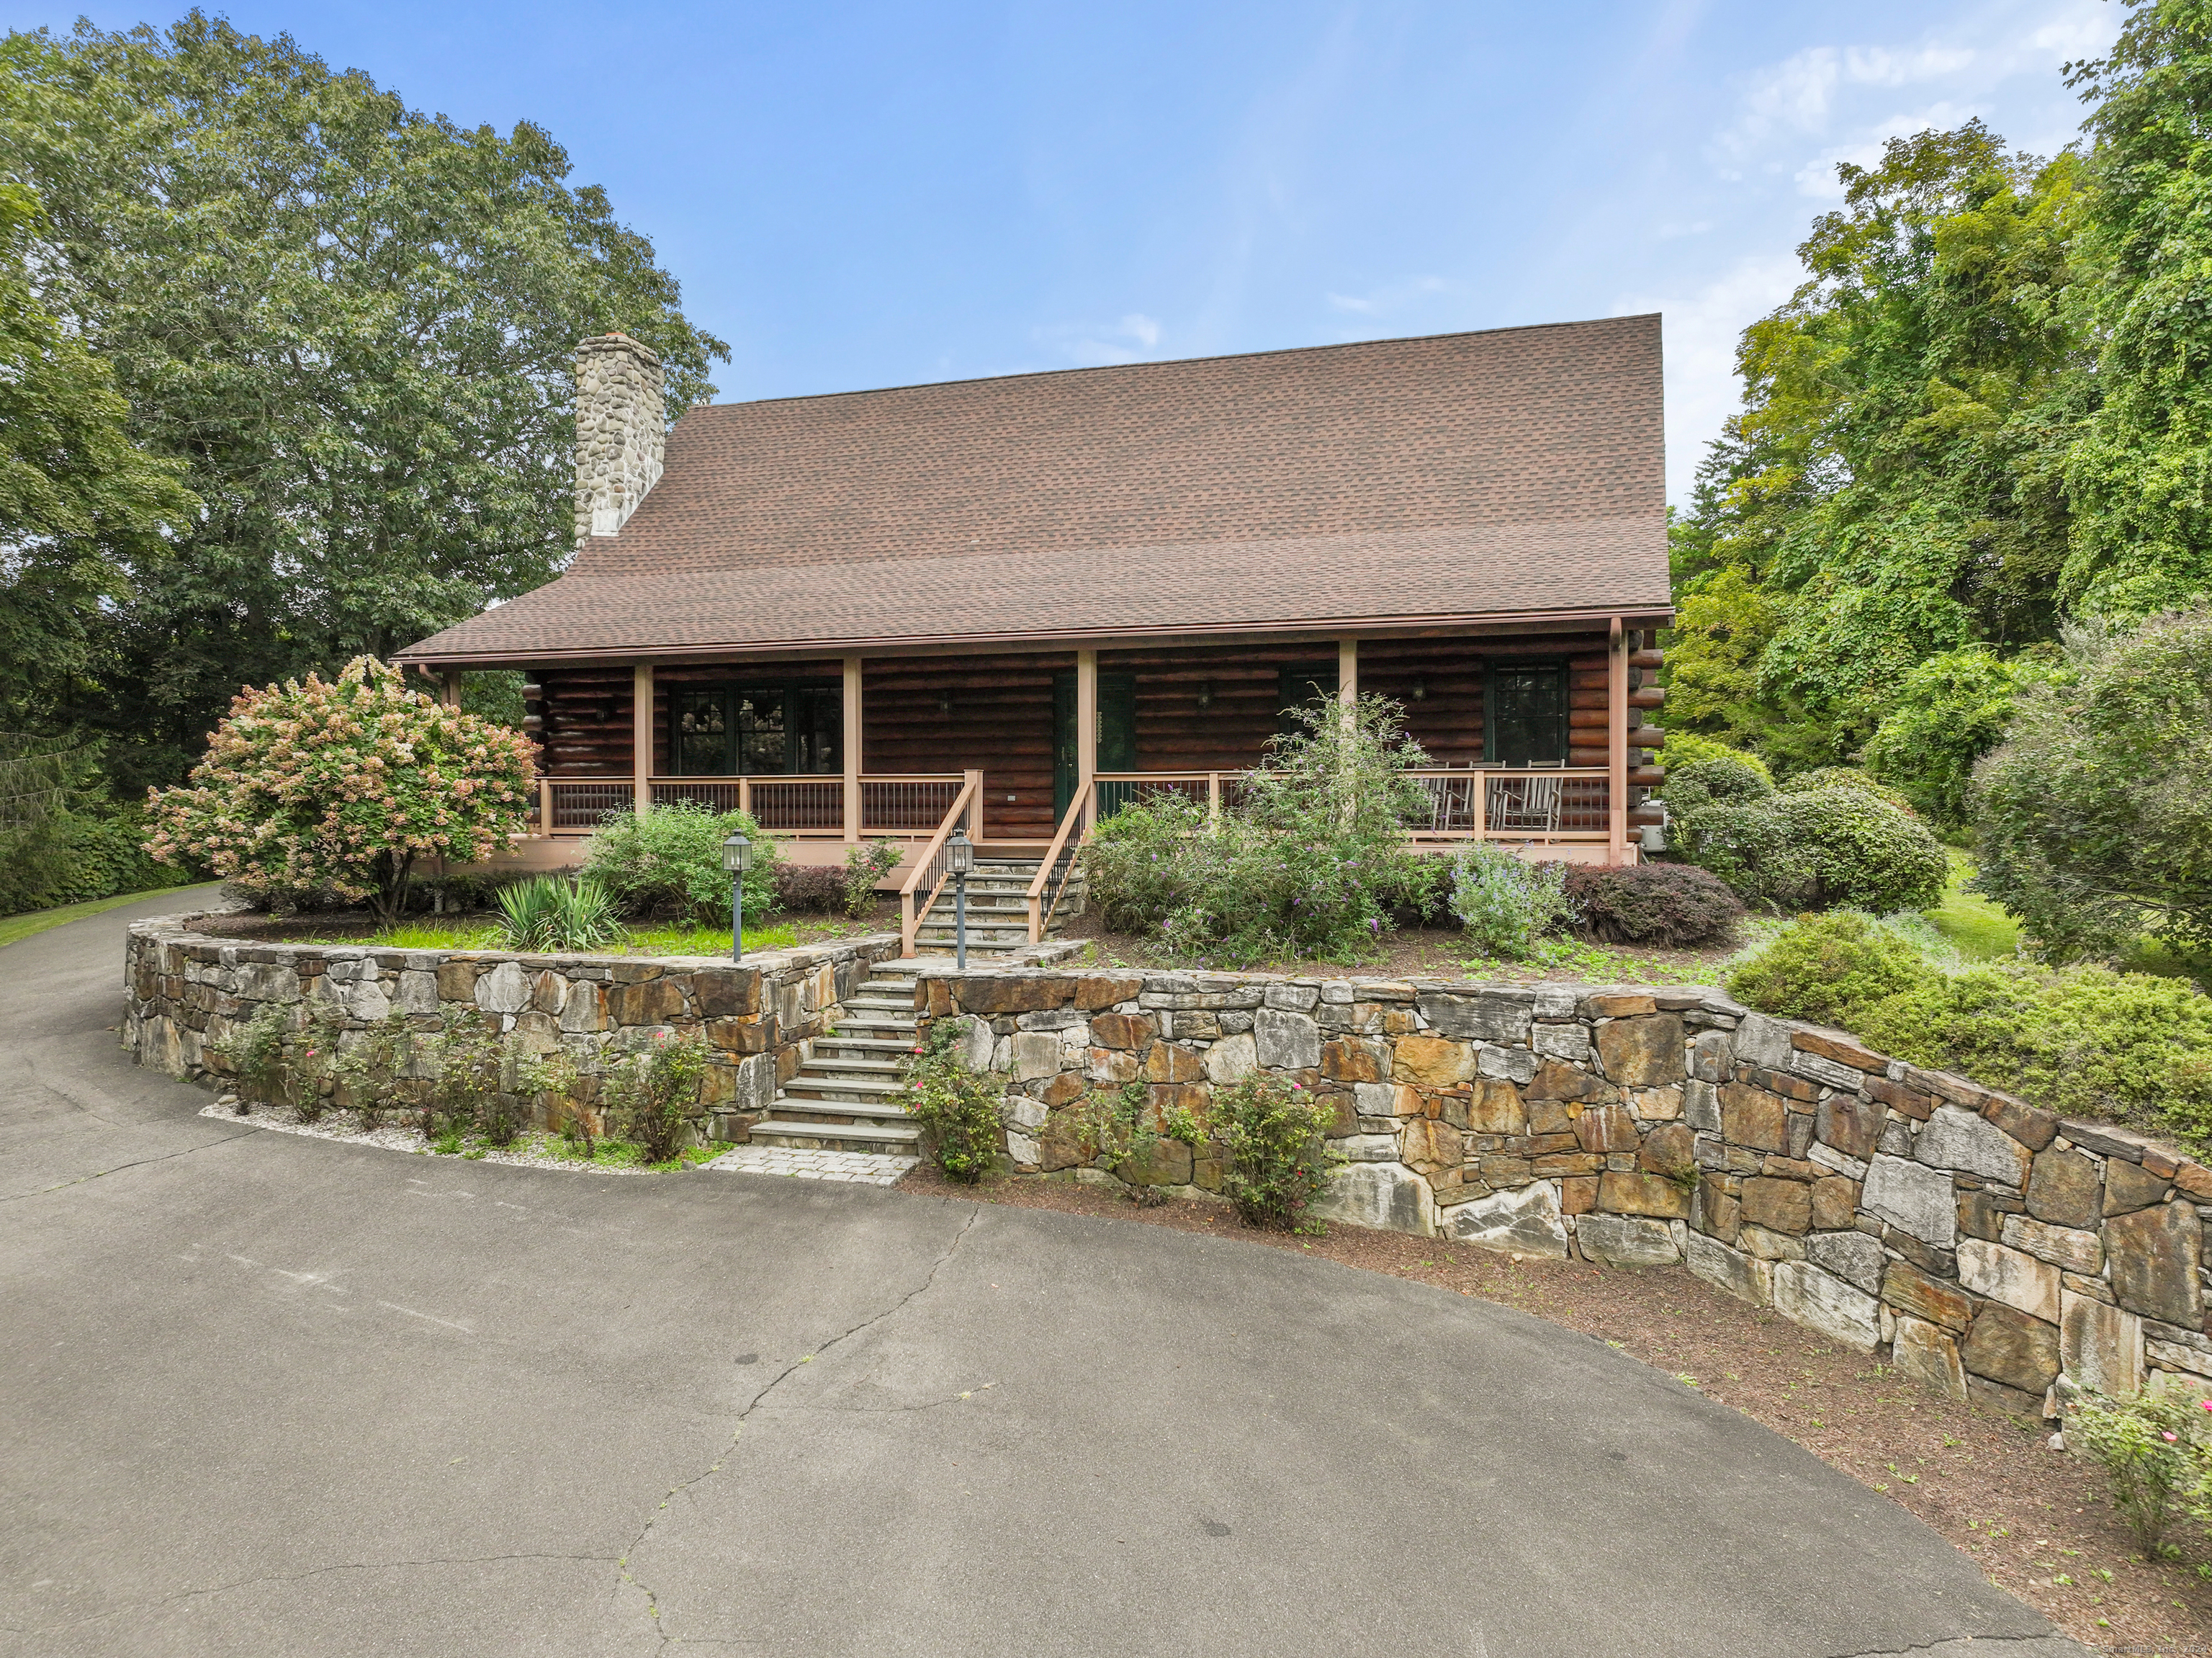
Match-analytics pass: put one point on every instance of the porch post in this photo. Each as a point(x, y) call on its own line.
point(1086, 734)
point(1347, 678)
point(851, 748)
point(1616, 745)
point(450, 692)
point(640, 693)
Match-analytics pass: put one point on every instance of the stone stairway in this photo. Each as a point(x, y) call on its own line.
point(840, 1099)
point(997, 910)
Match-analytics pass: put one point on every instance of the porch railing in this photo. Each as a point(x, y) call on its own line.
point(907, 805)
point(1506, 803)
point(1053, 869)
point(931, 864)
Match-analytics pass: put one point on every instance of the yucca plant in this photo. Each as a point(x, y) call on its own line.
point(549, 913)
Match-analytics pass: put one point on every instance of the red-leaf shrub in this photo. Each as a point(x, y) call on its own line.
point(803, 889)
point(1671, 905)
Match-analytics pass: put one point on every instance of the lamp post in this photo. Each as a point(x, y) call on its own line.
point(959, 859)
point(737, 858)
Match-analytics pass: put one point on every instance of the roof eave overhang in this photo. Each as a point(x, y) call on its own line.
point(1477, 622)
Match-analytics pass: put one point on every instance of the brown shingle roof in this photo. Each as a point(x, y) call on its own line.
point(1515, 471)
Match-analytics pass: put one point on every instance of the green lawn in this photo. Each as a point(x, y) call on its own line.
point(14, 928)
point(434, 935)
point(1977, 929)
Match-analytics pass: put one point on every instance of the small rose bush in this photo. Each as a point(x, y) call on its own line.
point(343, 786)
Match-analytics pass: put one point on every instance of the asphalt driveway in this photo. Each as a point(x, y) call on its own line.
point(264, 1394)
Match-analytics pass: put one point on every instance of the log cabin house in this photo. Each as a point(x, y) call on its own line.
point(1015, 604)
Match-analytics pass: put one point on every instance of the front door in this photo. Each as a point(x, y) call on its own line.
point(1065, 766)
point(1117, 733)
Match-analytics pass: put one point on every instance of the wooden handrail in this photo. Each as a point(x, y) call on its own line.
point(1039, 918)
point(908, 919)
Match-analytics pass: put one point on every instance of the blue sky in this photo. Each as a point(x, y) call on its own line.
point(873, 194)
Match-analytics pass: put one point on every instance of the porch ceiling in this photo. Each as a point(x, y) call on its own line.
point(1463, 574)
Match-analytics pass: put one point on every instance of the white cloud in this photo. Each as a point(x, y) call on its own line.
point(1135, 336)
point(1699, 330)
point(1394, 296)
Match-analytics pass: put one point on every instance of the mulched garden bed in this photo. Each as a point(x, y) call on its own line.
point(1444, 953)
point(2039, 1523)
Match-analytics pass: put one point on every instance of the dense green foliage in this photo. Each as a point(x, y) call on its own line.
point(2096, 813)
point(1670, 905)
point(1949, 712)
point(1831, 836)
point(957, 1109)
point(1981, 419)
point(2086, 1041)
point(1272, 1134)
point(1829, 970)
point(1504, 903)
point(346, 328)
point(62, 841)
point(665, 864)
point(1308, 859)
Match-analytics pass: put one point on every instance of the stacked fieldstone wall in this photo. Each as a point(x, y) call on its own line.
point(188, 990)
point(1983, 1245)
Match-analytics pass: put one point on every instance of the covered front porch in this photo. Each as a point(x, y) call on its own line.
point(1537, 741)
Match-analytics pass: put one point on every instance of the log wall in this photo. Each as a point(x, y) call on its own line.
point(999, 723)
point(1000, 720)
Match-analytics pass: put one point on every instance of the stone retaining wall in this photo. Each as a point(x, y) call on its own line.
point(187, 989)
point(1981, 1244)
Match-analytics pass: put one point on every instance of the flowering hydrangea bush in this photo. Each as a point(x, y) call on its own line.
point(341, 786)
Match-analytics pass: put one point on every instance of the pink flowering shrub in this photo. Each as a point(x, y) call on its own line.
point(341, 786)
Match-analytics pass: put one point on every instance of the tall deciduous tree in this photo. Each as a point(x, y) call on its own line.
point(2141, 476)
point(354, 325)
point(1892, 488)
point(79, 503)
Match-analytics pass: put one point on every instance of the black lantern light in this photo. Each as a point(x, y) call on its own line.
point(959, 863)
point(737, 858)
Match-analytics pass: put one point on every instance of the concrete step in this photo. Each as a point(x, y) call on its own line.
point(821, 1067)
point(862, 1047)
point(897, 1139)
point(853, 1089)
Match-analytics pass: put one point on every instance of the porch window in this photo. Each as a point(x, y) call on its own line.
point(749, 730)
point(1298, 687)
point(1524, 714)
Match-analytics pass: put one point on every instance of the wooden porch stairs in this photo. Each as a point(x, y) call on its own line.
point(997, 910)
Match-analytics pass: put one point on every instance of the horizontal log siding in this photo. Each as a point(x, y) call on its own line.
point(584, 713)
point(1000, 724)
point(1175, 734)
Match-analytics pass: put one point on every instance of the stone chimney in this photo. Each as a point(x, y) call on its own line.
point(621, 431)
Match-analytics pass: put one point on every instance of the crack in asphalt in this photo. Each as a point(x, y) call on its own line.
point(299, 1577)
point(652, 1601)
point(137, 1162)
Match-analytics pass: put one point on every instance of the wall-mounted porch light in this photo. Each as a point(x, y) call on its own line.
point(1204, 695)
point(944, 702)
point(1420, 689)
